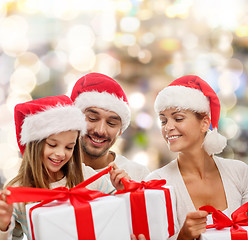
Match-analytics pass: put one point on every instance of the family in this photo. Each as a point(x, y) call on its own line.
point(65, 140)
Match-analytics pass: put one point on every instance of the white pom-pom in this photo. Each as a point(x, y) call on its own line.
point(214, 142)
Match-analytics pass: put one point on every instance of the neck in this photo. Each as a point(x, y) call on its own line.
point(197, 163)
point(98, 162)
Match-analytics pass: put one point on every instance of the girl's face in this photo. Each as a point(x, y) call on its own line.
point(58, 150)
point(182, 130)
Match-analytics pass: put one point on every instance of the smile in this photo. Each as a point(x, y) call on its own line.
point(98, 140)
point(55, 161)
point(173, 137)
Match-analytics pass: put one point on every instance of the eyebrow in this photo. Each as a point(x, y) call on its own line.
point(173, 113)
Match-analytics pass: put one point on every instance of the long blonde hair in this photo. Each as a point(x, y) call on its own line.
point(32, 172)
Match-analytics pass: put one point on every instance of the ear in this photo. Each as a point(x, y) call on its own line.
point(205, 124)
point(120, 132)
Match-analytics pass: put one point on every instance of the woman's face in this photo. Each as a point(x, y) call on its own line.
point(182, 130)
point(58, 150)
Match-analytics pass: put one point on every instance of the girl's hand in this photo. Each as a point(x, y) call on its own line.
point(116, 175)
point(6, 210)
point(195, 224)
point(140, 237)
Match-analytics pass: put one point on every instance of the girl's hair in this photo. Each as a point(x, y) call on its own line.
point(32, 172)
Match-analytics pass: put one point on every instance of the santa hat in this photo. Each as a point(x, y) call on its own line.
point(38, 119)
point(99, 90)
point(192, 93)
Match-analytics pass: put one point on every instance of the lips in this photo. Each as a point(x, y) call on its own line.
point(55, 161)
point(97, 141)
point(172, 137)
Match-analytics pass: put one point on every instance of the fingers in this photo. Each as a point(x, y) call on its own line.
point(3, 195)
point(195, 224)
point(6, 210)
point(140, 237)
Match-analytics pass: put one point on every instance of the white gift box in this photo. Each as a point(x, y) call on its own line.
point(223, 234)
point(56, 220)
point(156, 212)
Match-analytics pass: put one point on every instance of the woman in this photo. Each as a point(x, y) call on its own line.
point(187, 108)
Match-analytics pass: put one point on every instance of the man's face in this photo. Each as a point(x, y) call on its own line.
point(103, 128)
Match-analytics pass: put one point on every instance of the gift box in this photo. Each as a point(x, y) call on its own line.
point(56, 220)
point(224, 234)
point(70, 214)
point(151, 208)
point(224, 228)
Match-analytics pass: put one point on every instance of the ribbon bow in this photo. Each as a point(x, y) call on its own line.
point(238, 218)
point(132, 186)
point(77, 195)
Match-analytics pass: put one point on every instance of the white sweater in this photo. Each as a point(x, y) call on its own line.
point(18, 224)
point(136, 171)
point(234, 175)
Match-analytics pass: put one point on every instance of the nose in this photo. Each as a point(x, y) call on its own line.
point(101, 127)
point(60, 153)
point(169, 125)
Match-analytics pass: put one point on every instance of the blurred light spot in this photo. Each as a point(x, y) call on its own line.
point(15, 98)
point(13, 38)
point(129, 24)
point(80, 36)
point(22, 80)
point(6, 117)
point(122, 6)
point(144, 120)
point(11, 167)
point(28, 6)
point(190, 41)
point(229, 128)
point(147, 38)
point(229, 100)
point(28, 60)
point(136, 100)
point(242, 31)
point(141, 158)
point(228, 82)
point(57, 60)
point(43, 75)
point(127, 39)
point(133, 51)
point(106, 64)
point(2, 95)
point(145, 56)
point(82, 59)
point(169, 44)
point(7, 153)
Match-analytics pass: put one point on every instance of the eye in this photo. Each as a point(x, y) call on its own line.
point(112, 124)
point(92, 118)
point(179, 119)
point(51, 145)
point(163, 121)
point(69, 148)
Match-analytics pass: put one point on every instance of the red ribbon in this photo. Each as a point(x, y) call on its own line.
point(238, 218)
point(138, 206)
point(79, 197)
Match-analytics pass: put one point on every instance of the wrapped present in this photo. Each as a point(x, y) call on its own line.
point(76, 213)
point(151, 208)
point(225, 228)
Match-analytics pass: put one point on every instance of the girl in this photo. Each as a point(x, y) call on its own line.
point(48, 131)
point(186, 109)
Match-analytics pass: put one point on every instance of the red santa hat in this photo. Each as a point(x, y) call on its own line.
point(192, 93)
point(38, 119)
point(99, 90)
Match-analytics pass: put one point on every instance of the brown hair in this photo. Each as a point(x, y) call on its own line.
point(32, 172)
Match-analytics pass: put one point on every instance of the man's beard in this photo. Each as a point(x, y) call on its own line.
point(93, 153)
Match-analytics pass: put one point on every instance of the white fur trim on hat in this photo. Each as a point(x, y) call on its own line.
point(50, 121)
point(106, 101)
point(182, 97)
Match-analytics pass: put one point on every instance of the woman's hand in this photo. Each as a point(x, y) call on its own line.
point(195, 224)
point(6, 210)
point(140, 237)
point(116, 175)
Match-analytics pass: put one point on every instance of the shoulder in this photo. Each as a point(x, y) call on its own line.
point(165, 172)
point(231, 164)
point(87, 171)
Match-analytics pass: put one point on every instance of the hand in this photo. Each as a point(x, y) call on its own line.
point(194, 224)
point(140, 237)
point(116, 175)
point(6, 210)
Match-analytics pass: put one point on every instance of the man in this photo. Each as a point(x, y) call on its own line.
point(107, 112)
